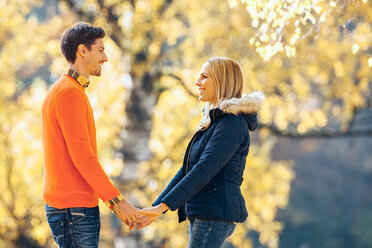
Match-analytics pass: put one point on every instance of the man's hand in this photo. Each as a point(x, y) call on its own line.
point(126, 212)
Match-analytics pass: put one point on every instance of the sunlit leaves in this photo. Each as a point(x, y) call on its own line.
point(317, 71)
point(22, 161)
point(278, 24)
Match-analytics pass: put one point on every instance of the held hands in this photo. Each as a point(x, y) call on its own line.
point(137, 219)
point(148, 215)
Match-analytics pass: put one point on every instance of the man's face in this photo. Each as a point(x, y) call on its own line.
point(95, 58)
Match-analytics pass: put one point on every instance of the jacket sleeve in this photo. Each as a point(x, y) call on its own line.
point(224, 142)
point(71, 112)
point(170, 186)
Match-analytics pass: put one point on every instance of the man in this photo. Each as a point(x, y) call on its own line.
point(73, 176)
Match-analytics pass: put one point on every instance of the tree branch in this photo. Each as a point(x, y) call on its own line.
point(165, 6)
point(316, 26)
point(182, 83)
point(323, 133)
point(79, 11)
point(117, 33)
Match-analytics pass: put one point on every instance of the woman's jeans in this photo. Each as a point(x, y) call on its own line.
point(74, 227)
point(209, 233)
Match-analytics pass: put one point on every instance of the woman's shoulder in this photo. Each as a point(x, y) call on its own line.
point(232, 121)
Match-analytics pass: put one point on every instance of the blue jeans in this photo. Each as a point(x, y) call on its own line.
point(209, 233)
point(74, 227)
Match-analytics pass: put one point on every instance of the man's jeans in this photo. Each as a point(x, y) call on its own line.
point(209, 233)
point(74, 227)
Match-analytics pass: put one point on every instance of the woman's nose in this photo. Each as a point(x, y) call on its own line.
point(198, 83)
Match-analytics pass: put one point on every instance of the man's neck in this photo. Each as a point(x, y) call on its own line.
point(79, 69)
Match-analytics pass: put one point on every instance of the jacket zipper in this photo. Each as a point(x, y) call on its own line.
point(196, 135)
point(188, 155)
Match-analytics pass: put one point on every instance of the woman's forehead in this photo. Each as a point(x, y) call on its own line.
point(205, 68)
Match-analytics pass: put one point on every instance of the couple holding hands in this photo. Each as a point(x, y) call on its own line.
point(205, 190)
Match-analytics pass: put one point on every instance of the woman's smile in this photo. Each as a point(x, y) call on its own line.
point(206, 85)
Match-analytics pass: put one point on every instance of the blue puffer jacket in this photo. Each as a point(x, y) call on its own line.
point(212, 172)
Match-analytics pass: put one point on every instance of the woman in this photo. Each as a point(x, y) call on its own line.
point(210, 178)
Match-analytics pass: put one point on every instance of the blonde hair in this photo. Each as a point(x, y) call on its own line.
point(228, 79)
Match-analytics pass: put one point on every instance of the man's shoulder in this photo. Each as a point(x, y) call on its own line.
point(65, 86)
point(64, 92)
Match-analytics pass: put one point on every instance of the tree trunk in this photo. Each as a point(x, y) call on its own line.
point(24, 241)
point(141, 99)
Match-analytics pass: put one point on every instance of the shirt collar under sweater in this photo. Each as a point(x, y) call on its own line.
point(83, 81)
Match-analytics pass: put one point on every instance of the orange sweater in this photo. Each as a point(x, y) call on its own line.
point(73, 177)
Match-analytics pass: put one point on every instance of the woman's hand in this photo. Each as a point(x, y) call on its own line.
point(151, 214)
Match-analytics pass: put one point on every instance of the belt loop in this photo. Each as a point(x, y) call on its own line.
point(69, 216)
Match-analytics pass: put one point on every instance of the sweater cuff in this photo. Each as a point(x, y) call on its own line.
point(111, 194)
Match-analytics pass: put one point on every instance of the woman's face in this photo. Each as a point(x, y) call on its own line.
point(206, 85)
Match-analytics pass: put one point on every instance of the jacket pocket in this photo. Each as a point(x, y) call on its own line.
point(211, 186)
point(209, 194)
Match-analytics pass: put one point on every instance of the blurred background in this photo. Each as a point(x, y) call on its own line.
point(308, 176)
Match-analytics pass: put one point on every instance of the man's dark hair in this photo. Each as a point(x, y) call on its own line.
point(81, 33)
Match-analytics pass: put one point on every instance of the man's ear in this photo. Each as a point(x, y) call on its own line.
point(82, 50)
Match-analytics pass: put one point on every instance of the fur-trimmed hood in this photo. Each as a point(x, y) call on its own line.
point(250, 103)
point(246, 106)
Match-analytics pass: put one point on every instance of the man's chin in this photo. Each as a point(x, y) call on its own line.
point(97, 73)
